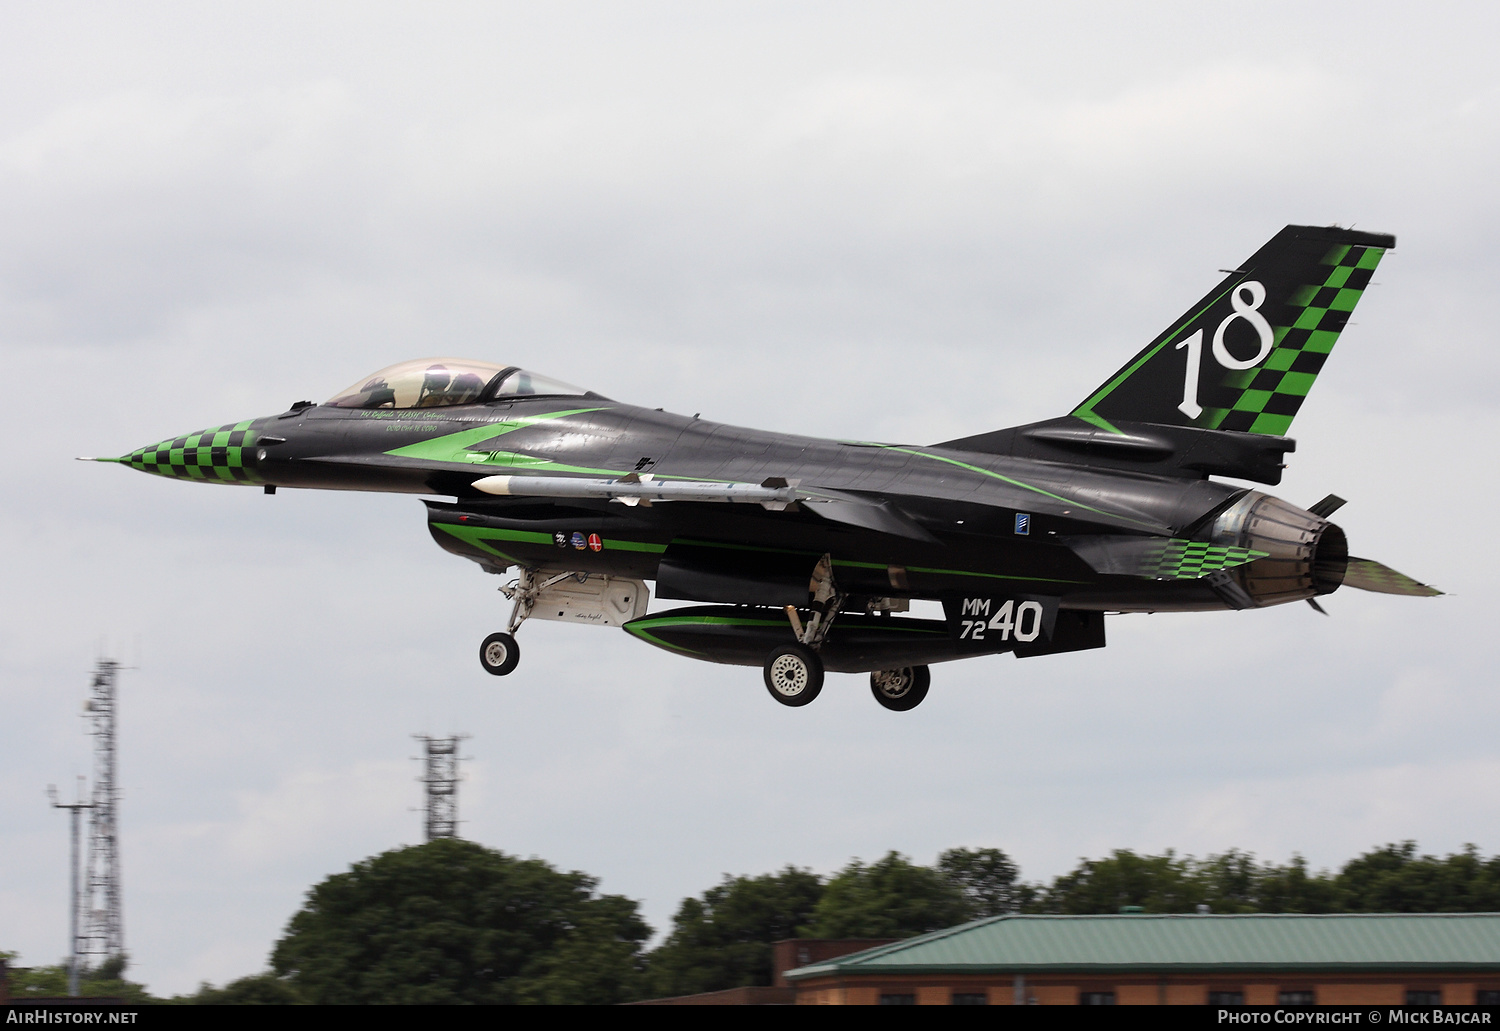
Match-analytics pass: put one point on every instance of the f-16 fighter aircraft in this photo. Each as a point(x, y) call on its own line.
point(806, 551)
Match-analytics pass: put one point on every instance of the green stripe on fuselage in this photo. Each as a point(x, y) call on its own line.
point(477, 536)
point(611, 544)
point(453, 447)
point(1019, 483)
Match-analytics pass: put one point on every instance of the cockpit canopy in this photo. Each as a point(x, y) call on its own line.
point(435, 382)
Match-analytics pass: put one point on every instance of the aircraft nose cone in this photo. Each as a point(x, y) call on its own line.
point(224, 454)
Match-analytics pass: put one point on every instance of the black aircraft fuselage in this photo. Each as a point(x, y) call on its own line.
point(804, 548)
point(961, 507)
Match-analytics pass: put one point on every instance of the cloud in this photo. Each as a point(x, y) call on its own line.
point(313, 810)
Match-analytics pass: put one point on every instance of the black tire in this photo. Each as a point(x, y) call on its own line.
point(794, 674)
point(499, 654)
point(901, 690)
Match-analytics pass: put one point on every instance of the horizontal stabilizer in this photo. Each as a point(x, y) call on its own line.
point(1369, 575)
point(1158, 558)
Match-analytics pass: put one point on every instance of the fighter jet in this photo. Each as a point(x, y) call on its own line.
point(804, 555)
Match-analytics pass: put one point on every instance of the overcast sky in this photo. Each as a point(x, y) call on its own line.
point(903, 222)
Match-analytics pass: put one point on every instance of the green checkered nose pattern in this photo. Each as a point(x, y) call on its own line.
point(214, 456)
point(1189, 560)
point(1270, 394)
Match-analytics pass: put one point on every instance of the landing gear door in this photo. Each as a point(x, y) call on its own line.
point(999, 622)
point(595, 598)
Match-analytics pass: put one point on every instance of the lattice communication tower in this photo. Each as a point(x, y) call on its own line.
point(440, 774)
point(102, 935)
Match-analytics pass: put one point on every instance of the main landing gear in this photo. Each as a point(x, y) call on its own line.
point(794, 672)
point(901, 690)
point(794, 676)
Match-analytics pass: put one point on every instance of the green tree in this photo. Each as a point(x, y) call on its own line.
point(986, 878)
point(264, 989)
point(107, 980)
point(1227, 883)
point(454, 922)
point(723, 939)
point(1157, 884)
point(1291, 889)
point(1395, 879)
point(889, 898)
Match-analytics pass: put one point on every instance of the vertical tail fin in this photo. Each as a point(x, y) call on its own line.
point(1244, 357)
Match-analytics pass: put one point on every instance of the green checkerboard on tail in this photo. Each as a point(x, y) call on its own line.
point(1244, 357)
point(211, 456)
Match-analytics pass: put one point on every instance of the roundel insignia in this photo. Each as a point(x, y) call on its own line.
point(595, 543)
point(578, 541)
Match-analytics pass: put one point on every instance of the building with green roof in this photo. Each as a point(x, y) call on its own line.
point(1261, 958)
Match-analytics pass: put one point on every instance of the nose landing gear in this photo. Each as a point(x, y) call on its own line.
point(568, 596)
point(499, 654)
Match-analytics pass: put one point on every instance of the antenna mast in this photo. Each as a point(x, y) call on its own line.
point(103, 933)
point(75, 901)
point(440, 774)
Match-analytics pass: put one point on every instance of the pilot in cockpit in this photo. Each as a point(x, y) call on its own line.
point(439, 389)
point(378, 394)
point(434, 387)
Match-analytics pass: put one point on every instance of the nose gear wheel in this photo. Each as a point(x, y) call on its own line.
point(499, 654)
